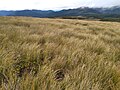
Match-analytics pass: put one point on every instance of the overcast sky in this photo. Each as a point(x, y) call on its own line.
point(54, 4)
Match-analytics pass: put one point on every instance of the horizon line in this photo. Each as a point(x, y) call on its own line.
point(60, 9)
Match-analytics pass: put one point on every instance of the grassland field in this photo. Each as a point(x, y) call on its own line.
point(58, 54)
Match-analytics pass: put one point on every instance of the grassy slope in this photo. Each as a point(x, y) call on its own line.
point(56, 54)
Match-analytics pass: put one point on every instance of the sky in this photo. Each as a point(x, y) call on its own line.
point(54, 4)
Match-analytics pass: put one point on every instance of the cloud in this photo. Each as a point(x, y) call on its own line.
point(54, 4)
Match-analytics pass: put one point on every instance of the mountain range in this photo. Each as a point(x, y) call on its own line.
point(111, 12)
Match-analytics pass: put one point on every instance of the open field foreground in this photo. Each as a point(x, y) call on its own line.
point(58, 54)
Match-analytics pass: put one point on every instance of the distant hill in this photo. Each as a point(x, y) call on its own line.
point(6, 13)
point(32, 13)
point(99, 13)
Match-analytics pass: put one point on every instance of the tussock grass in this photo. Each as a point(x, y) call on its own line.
point(57, 54)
